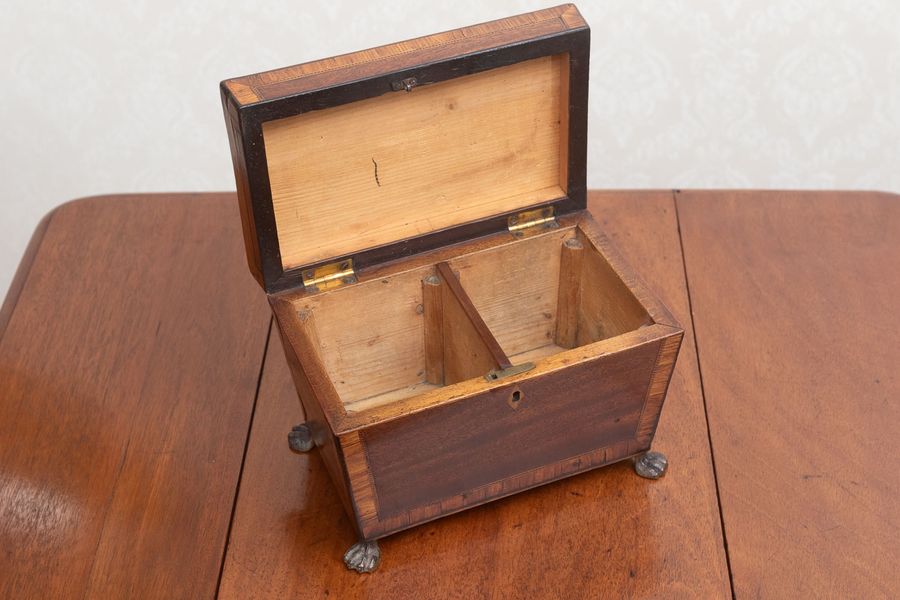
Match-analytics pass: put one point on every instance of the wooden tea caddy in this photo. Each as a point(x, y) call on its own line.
point(457, 326)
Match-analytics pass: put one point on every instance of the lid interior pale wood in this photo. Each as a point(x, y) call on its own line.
point(374, 172)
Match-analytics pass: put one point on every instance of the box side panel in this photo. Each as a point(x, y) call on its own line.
point(507, 439)
point(245, 203)
point(659, 384)
point(325, 440)
point(362, 487)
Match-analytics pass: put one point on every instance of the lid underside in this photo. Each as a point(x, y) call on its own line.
point(409, 147)
point(401, 165)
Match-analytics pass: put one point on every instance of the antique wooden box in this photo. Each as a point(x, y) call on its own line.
point(458, 327)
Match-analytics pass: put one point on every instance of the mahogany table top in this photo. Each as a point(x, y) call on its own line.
point(145, 403)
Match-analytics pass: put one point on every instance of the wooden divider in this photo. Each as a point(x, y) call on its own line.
point(569, 295)
point(434, 329)
point(469, 349)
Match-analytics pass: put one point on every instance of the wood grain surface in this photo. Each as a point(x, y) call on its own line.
point(128, 370)
point(388, 168)
point(583, 537)
point(133, 342)
point(795, 300)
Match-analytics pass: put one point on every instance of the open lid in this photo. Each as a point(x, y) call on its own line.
point(383, 153)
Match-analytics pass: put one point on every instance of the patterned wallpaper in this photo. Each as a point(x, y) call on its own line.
point(111, 96)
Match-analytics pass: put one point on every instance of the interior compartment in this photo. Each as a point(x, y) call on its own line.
point(391, 338)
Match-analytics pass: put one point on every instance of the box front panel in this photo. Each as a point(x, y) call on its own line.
point(510, 438)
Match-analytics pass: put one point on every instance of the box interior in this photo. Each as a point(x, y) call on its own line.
point(392, 338)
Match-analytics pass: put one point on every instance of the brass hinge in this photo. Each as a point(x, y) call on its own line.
point(329, 276)
point(532, 221)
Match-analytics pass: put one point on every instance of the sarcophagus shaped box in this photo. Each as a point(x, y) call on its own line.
point(458, 327)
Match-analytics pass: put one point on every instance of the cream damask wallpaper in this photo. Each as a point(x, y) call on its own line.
point(121, 96)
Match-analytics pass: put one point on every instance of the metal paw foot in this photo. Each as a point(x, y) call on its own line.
point(363, 557)
point(651, 465)
point(300, 439)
